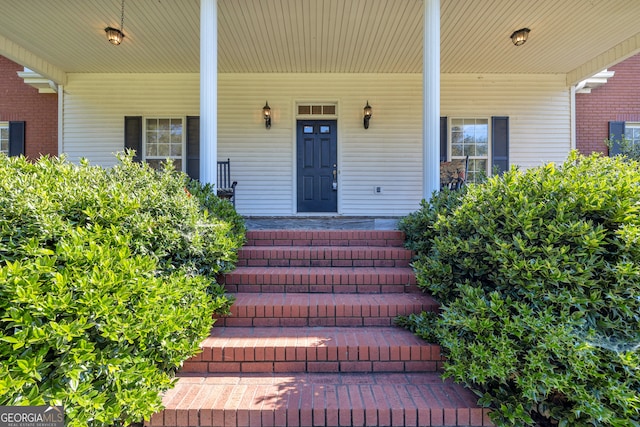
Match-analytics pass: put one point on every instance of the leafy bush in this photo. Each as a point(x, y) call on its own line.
point(538, 273)
point(107, 283)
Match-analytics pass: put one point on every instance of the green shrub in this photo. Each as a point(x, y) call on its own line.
point(107, 283)
point(538, 273)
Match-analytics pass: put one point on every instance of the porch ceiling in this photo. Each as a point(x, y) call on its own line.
point(573, 37)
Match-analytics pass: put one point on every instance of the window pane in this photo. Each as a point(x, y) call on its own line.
point(308, 129)
point(325, 129)
point(164, 124)
point(152, 124)
point(329, 109)
point(469, 149)
point(163, 150)
point(176, 150)
point(456, 150)
point(304, 109)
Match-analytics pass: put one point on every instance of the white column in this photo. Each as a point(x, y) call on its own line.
point(431, 98)
point(208, 91)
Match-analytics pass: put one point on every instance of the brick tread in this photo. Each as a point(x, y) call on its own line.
point(321, 349)
point(308, 399)
point(323, 309)
point(323, 256)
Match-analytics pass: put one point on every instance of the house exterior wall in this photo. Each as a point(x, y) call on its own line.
point(388, 154)
point(617, 100)
point(21, 102)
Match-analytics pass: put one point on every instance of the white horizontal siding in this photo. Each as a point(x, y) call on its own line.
point(388, 154)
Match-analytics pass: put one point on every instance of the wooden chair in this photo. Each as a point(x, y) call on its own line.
point(226, 188)
point(453, 174)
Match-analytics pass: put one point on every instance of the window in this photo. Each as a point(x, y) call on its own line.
point(632, 132)
point(470, 137)
point(164, 139)
point(4, 137)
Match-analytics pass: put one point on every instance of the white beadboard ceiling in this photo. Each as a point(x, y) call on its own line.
point(572, 37)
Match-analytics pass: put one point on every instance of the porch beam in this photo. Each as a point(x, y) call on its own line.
point(431, 98)
point(208, 91)
point(26, 58)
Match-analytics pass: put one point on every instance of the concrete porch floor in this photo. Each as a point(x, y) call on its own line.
point(322, 223)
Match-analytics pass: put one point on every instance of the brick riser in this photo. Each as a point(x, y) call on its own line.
point(299, 310)
point(321, 280)
point(310, 342)
point(322, 256)
point(314, 350)
point(306, 238)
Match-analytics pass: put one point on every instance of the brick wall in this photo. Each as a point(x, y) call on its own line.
point(21, 102)
point(617, 100)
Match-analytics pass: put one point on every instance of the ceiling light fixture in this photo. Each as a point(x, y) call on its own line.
point(520, 36)
point(115, 35)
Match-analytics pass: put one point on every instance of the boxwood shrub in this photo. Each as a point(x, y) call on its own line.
point(107, 283)
point(538, 273)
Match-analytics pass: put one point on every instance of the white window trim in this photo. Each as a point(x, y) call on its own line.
point(183, 157)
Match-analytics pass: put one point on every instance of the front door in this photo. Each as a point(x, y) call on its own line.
point(317, 160)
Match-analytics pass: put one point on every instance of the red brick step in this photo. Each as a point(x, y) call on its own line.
point(307, 399)
point(332, 349)
point(391, 238)
point(323, 256)
point(321, 279)
point(280, 309)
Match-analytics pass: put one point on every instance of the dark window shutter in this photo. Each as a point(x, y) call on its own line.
point(500, 144)
point(16, 138)
point(193, 147)
point(133, 135)
point(616, 135)
point(443, 139)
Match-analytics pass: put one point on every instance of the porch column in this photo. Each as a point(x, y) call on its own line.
point(208, 91)
point(431, 98)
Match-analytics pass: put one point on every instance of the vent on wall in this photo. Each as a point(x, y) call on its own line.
point(317, 110)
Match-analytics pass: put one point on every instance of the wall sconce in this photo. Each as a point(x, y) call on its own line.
point(520, 36)
point(367, 115)
point(115, 35)
point(266, 113)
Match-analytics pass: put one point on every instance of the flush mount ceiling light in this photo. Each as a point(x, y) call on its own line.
point(520, 36)
point(115, 35)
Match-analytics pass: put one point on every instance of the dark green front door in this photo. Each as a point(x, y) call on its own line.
point(317, 161)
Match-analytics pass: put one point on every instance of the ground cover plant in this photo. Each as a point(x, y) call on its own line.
point(107, 283)
point(538, 273)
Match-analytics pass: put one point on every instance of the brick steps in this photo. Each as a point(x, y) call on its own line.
point(306, 238)
point(310, 341)
point(306, 400)
point(297, 310)
point(320, 349)
point(323, 256)
point(321, 279)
